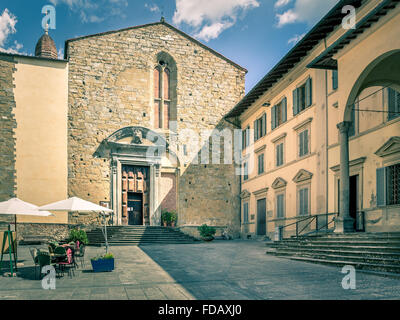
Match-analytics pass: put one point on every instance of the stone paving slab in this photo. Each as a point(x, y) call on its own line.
point(224, 270)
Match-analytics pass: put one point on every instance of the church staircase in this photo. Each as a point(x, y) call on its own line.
point(138, 235)
point(368, 251)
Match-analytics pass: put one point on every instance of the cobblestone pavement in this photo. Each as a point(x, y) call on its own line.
point(227, 270)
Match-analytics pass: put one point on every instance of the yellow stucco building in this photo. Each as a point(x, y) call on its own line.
point(321, 131)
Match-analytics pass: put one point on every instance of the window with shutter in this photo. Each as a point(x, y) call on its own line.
point(308, 89)
point(255, 130)
point(303, 202)
point(245, 212)
point(280, 206)
point(284, 110)
point(261, 163)
point(273, 118)
point(334, 79)
point(303, 143)
point(279, 154)
point(295, 102)
point(393, 104)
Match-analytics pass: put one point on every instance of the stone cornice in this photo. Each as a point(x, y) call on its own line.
point(352, 163)
point(260, 191)
point(391, 146)
point(302, 124)
point(279, 183)
point(302, 175)
point(281, 136)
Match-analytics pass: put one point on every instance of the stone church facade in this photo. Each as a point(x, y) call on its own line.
point(137, 99)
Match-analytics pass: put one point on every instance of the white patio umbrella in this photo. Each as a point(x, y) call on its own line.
point(16, 207)
point(76, 204)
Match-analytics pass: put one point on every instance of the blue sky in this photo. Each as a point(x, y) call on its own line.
point(253, 33)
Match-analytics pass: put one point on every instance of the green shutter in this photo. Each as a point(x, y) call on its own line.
point(381, 187)
point(301, 143)
point(392, 103)
point(334, 79)
point(273, 118)
point(264, 124)
point(309, 92)
point(255, 130)
point(305, 144)
point(295, 102)
point(284, 110)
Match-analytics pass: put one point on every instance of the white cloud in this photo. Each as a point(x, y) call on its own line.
point(210, 18)
point(281, 3)
point(287, 17)
point(7, 25)
point(296, 38)
point(60, 53)
point(213, 31)
point(7, 28)
point(152, 7)
point(95, 11)
point(308, 11)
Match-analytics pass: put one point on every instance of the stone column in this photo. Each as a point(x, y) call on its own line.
point(344, 223)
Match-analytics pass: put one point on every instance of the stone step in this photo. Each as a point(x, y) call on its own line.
point(358, 265)
point(345, 247)
point(389, 260)
point(379, 254)
point(131, 235)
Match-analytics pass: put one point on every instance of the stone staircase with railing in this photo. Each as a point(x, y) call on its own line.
point(138, 235)
point(368, 251)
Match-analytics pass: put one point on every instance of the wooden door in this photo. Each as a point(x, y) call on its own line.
point(261, 217)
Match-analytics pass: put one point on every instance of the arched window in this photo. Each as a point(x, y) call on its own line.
point(162, 96)
point(165, 79)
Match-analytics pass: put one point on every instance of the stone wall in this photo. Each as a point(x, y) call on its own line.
point(7, 126)
point(111, 87)
point(50, 231)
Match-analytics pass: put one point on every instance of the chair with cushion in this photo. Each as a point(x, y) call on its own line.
point(69, 263)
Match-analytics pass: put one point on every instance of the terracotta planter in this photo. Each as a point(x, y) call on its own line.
point(173, 224)
point(165, 223)
point(208, 239)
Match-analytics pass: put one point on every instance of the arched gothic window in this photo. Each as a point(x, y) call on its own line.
point(162, 96)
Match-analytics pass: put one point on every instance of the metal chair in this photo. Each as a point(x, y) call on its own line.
point(34, 254)
point(69, 263)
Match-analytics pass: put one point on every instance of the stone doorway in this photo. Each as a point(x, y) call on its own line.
point(135, 195)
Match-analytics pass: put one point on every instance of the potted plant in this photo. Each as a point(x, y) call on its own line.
point(78, 235)
point(103, 263)
point(165, 217)
point(173, 218)
point(207, 233)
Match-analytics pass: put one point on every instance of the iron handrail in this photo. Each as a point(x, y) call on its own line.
point(311, 219)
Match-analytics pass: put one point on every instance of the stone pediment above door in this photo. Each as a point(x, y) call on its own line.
point(133, 140)
point(302, 175)
point(279, 183)
point(390, 147)
point(136, 136)
point(245, 194)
